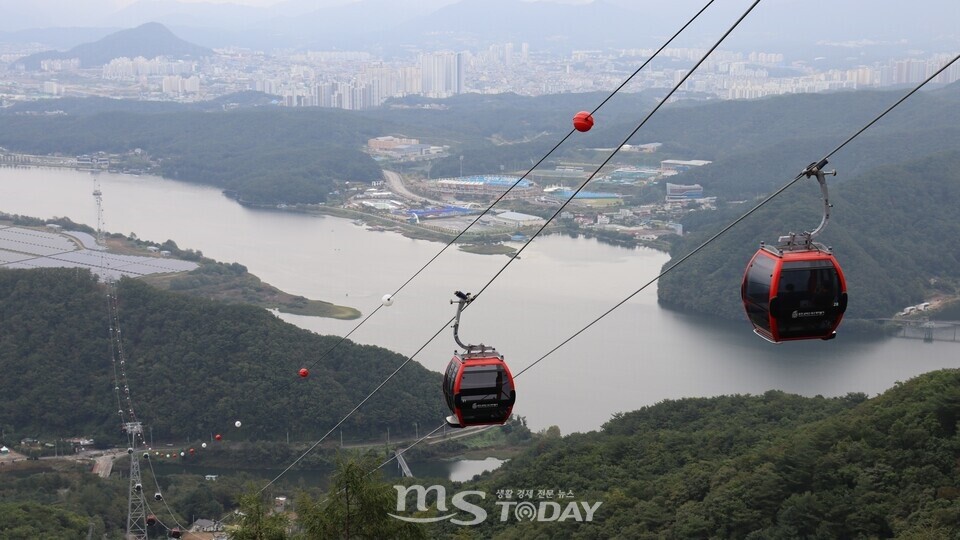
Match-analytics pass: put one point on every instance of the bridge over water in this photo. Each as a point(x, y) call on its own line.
point(925, 329)
point(402, 463)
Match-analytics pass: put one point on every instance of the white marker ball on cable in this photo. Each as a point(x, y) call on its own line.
point(204, 445)
point(237, 423)
point(387, 300)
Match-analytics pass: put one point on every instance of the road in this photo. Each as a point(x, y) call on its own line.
point(103, 464)
point(395, 183)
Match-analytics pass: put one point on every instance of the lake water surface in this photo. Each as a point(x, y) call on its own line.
point(639, 355)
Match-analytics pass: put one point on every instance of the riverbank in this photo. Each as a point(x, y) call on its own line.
point(245, 288)
point(207, 278)
point(233, 284)
point(477, 243)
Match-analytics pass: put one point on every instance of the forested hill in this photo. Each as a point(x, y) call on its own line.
point(775, 466)
point(194, 367)
point(891, 230)
point(266, 155)
point(273, 154)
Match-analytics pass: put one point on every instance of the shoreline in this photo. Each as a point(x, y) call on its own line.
point(480, 242)
point(207, 278)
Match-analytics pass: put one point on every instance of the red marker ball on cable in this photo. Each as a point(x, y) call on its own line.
point(304, 372)
point(583, 121)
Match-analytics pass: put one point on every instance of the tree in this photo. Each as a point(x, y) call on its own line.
point(357, 506)
point(256, 523)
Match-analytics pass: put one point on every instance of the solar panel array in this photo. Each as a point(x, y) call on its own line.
point(28, 248)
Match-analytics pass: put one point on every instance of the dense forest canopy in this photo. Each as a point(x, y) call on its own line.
point(194, 367)
point(772, 466)
point(266, 155)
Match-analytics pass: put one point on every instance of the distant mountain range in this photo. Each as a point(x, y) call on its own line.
point(148, 40)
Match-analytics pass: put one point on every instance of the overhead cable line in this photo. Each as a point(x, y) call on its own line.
point(509, 189)
point(442, 328)
point(803, 174)
point(356, 408)
point(163, 499)
point(617, 149)
point(715, 236)
point(396, 455)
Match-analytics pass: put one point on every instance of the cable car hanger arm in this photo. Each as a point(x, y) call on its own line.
point(790, 242)
point(816, 169)
point(462, 301)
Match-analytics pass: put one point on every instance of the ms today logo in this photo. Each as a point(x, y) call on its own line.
point(468, 513)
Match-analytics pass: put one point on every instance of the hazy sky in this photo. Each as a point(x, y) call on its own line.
point(925, 25)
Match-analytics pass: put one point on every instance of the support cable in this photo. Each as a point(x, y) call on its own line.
point(803, 174)
point(712, 238)
point(442, 328)
point(515, 184)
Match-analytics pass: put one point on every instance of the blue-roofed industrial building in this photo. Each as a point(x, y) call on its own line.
point(483, 184)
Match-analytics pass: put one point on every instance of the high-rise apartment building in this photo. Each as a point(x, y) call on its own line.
point(441, 74)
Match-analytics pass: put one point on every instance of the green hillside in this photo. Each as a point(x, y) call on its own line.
point(890, 230)
point(774, 466)
point(266, 156)
point(194, 367)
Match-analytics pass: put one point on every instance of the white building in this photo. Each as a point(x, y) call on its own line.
point(518, 220)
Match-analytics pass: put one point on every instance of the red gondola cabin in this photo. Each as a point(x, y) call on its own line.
point(794, 294)
point(478, 387)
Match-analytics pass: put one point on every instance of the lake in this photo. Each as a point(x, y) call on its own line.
point(639, 355)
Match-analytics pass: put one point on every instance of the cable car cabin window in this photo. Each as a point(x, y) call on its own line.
point(485, 394)
point(809, 299)
point(809, 284)
point(758, 280)
point(450, 380)
point(759, 316)
point(485, 382)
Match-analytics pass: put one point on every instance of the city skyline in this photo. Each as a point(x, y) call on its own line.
point(439, 53)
